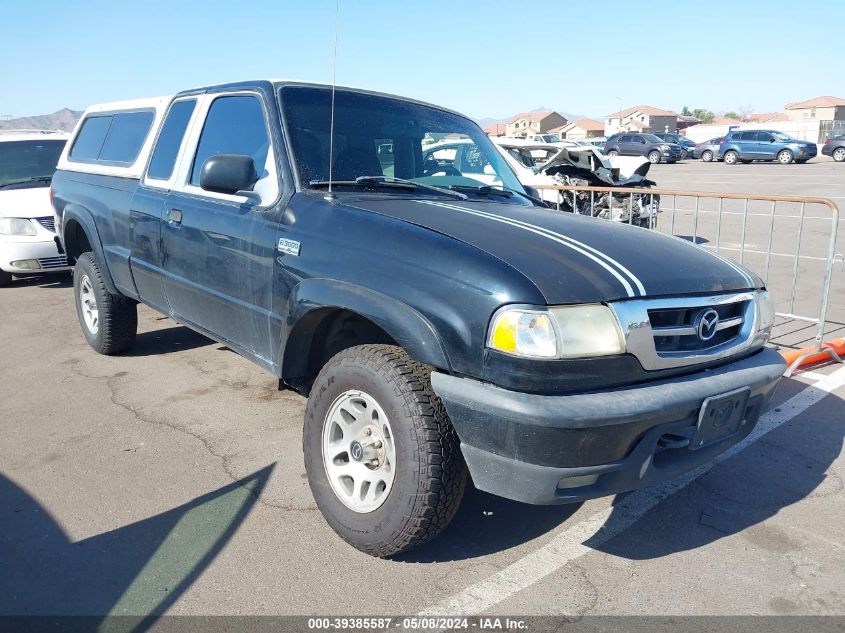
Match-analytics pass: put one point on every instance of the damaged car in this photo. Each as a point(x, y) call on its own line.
point(591, 168)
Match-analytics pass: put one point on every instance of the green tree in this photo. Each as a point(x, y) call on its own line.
point(703, 115)
point(686, 112)
point(732, 115)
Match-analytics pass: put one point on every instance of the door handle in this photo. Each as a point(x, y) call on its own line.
point(174, 216)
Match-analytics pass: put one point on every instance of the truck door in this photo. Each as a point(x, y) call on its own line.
point(217, 249)
point(148, 202)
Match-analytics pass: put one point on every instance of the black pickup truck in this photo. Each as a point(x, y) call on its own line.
point(444, 325)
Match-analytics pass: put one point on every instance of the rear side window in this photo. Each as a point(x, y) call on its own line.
point(170, 139)
point(234, 125)
point(112, 138)
point(90, 138)
point(126, 136)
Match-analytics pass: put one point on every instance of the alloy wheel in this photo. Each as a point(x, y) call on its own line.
point(359, 453)
point(88, 303)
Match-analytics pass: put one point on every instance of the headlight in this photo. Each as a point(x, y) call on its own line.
point(665, 148)
point(16, 226)
point(765, 313)
point(588, 330)
point(523, 333)
point(559, 332)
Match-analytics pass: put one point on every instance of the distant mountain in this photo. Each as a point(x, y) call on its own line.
point(65, 119)
point(485, 121)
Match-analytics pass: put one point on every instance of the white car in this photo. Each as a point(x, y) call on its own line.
point(27, 225)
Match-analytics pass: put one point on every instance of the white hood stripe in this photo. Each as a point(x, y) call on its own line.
point(583, 249)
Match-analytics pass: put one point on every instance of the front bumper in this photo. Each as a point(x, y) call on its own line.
point(524, 446)
point(43, 251)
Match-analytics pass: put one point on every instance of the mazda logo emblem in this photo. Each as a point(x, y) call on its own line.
point(356, 451)
point(707, 323)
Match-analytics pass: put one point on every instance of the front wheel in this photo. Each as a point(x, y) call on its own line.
point(383, 461)
point(5, 278)
point(109, 322)
point(784, 157)
point(707, 156)
point(654, 157)
point(731, 157)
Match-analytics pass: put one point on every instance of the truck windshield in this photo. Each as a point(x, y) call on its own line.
point(28, 162)
point(377, 136)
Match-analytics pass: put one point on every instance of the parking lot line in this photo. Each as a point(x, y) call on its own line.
point(584, 537)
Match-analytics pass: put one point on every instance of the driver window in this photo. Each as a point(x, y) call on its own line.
point(234, 125)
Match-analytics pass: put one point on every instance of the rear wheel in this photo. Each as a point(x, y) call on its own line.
point(731, 157)
point(109, 322)
point(785, 157)
point(5, 278)
point(383, 460)
point(613, 152)
point(839, 154)
point(707, 156)
point(654, 157)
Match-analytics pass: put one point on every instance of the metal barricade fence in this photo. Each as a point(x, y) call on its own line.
point(644, 207)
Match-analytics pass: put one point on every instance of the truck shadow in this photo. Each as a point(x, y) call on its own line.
point(177, 338)
point(486, 524)
point(138, 570)
point(783, 467)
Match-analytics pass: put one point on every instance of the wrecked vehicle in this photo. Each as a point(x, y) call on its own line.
point(593, 169)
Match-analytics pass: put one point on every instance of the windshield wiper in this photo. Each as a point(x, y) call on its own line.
point(505, 192)
point(26, 181)
point(388, 182)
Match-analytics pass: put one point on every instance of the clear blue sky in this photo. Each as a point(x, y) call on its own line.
point(491, 58)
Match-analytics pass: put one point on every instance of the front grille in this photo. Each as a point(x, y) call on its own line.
point(48, 222)
point(678, 329)
point(59, 261)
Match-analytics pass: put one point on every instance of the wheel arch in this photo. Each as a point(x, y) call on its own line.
point(79, 235)
point(327, 316)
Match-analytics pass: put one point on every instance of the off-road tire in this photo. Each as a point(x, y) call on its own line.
point(117, 315)
point(5, 278)
point(430, 473)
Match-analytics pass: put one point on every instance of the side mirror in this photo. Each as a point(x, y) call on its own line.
point(488, 170)
point(228, 173)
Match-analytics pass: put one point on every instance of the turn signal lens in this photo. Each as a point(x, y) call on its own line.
point(523, 333)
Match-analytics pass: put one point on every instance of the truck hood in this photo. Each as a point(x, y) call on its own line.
point(33, 202)
point(572, 258)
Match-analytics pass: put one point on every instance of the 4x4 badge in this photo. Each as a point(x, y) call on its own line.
point(288, 247)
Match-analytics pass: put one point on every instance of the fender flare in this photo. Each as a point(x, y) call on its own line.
point(83, 217)
point(405, 325)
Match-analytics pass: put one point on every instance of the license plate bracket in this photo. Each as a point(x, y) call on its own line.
point(720, 417)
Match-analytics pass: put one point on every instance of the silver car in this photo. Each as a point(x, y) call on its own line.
point(708, 150)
